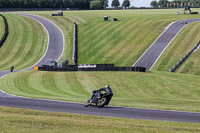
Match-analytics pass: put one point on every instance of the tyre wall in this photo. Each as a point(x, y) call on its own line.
point(185, 57)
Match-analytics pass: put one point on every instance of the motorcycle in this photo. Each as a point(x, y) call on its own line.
point(100, 100)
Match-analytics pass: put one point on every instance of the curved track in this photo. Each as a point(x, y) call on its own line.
point(152, 54)
point(54, 51)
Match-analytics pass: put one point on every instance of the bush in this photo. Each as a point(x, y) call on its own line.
point(96, 5)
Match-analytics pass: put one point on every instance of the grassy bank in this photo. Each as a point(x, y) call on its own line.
point(21, 120)
point(121, 42)
point(156, 90)
point(25, 44)
point(2, 27)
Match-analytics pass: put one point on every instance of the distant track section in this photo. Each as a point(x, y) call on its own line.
point(152, 54)
point(55, 43)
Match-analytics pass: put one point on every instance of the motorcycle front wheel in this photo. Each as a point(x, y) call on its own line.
point(86, 104)
point(102, 102)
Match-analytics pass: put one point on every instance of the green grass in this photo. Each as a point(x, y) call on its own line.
point(122, 42)
point(156, 90)
point(25, 44)
point(22, 120)
point(2, 27)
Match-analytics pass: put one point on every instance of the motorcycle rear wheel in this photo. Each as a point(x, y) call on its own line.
point(102, 102)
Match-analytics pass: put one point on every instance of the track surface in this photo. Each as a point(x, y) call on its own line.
point(152, 54)
point(54, 51)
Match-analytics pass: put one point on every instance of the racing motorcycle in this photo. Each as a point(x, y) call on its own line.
point(99, 99)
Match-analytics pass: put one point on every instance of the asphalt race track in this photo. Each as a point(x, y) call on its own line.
point(109, 111)
point(54, 51)
point(152, 54)
point(56, 41)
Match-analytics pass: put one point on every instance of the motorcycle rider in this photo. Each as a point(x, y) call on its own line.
point(107, 89)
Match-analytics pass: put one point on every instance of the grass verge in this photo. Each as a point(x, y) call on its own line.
point(2, 27)
point(156, 90)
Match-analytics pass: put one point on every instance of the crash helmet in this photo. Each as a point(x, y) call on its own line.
point(107, 86)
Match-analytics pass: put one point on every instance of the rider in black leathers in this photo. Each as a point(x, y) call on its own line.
point(107, 89)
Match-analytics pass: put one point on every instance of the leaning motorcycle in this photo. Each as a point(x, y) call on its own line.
point(100, 100)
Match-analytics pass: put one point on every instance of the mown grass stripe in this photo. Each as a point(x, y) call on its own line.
point(88, 42)
point(35, 50)
point(49, 83)
point(2, 27)
point(19, 49)
point(6, 49)
point(37, 77)
point(72, 84)
point(23, 50)
point(100, 48)
point(68, 85)
point(15, 43)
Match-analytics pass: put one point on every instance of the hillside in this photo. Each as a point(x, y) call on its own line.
point(121, 42)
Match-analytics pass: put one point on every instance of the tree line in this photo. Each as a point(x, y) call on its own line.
point(80, 4)
point(83, 4)
point(175, 3)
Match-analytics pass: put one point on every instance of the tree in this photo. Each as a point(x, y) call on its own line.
point(163, 3)
point(154, 4)
point(126, 4)
point(115, 3)
point(104, 3)
point(96, 4)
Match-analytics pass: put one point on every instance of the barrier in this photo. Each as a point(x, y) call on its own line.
point(75, 45)
point(58, 14)
point(194, 12)
point(6, 31)
point(51, 68)
point(185, 57)
point(91, 67)
point(37, 9)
